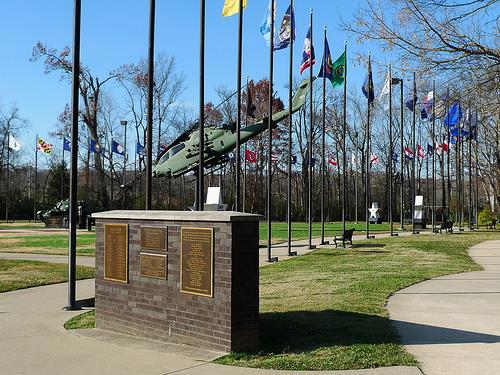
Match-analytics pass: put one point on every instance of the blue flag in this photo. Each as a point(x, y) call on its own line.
point(117, 148)
point(265, 29)
point(454, 134)
point(66, 145)
point(367, 87)
point(95, 147)
point(410, 102)
point(430, 149)
point(308, 58)
point(453, 115)
point(140, 149)
point(395, 157)
point(294, 160)
point(287, 31)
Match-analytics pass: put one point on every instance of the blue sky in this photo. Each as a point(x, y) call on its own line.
point(116, 32)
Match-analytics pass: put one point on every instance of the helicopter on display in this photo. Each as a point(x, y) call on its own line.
point(182, 156)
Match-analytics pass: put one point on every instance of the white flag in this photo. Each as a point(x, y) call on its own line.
point(385, 92)
point(354, 160)
point(14, 144)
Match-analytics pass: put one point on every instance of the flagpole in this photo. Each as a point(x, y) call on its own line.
point(35, 198)
point(390, 150)
point(323, 145)
point(149, 126)
point(62, 173)
point(290, 119)
point(237, 202)
point(470, 166)
point(367, 174)
point(311, 122)
point(434, 156)
point(344, 132)
point(7, 198)
point(414, 156)
point(245, 158)
point(73, 184)
point(270, 140)
point(402, 158)
point(448, 174)
point(458, 170)
point(476, 170)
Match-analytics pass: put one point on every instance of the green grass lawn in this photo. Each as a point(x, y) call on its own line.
point(22, 224)
point(55, 244)
point(21, 274)
point(81, 321)
point(300, 230)
point(326, 310)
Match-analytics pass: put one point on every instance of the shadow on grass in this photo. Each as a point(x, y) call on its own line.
point(300, 331)
point(369, 245)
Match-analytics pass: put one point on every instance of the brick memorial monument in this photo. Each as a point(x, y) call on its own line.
point(184, 277)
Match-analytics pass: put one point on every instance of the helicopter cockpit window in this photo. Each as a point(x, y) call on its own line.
point(177, 148)
point(165, 157)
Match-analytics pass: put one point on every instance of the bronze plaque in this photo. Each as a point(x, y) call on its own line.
point(154, 238)
point(154, 265)
point(116, 252)
point(197, 258)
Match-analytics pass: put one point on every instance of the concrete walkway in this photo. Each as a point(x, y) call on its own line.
point(452, 323)
point(33, 341)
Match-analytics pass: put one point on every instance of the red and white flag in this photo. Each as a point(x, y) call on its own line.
point(332, 162)
point(250, 156)
point(420, 152)
point(409, 153)
point(374, 159)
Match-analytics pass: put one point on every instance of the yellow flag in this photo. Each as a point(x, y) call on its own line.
point(232, 7)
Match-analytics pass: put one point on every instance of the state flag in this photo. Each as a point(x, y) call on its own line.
point(308, 58)
point(232, 7)
point(14, 144)
point(250, 156)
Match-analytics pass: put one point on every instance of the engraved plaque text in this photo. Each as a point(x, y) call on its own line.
point(116, 252)
point(197, 261)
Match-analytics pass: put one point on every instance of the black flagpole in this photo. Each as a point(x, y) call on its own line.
point(7, 197)
point(201, 147)
point(36, 179)
point(401, 157)
point(344, 157)
point(476, 171)
point(323, 145)
point(311, 122)
point(458, 176)
point(390, 151)
point(238, 111)
point(244, 197)
point(149, 131)
point(62, 173)
point(470, 167)
point(73, 184)
point(270, 258)
point(412, 198)
point(433, 157)
point(367, 174)
point(290, 118)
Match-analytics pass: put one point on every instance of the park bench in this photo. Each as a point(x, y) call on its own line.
point(492, 224)
point(347, 236)
point(446, 226)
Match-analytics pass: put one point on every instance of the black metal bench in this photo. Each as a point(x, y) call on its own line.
point(346, 236)
point(447, 226)
point(492, 225)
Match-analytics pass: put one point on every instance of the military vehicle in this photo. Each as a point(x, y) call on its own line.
point(182, 156)
point(58, 216)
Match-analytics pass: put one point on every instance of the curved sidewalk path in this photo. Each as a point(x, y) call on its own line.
point(33, 340)
point(452, 323)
